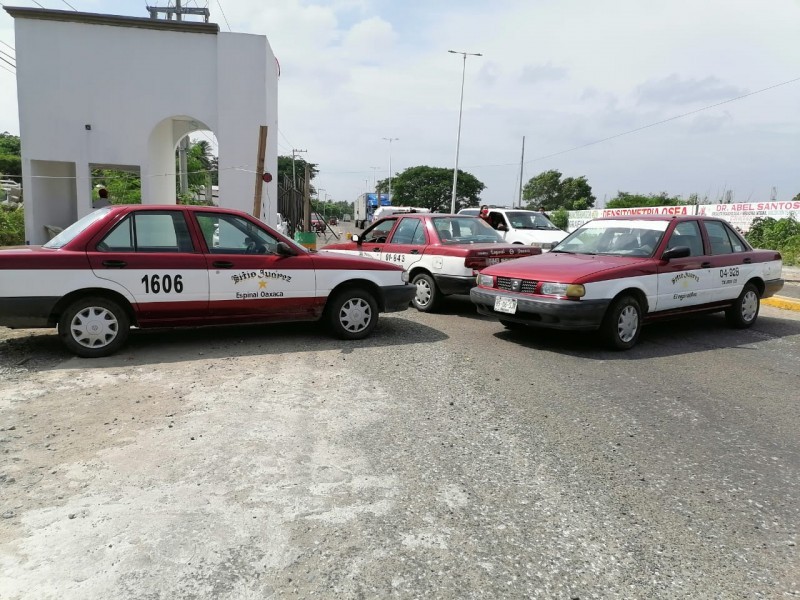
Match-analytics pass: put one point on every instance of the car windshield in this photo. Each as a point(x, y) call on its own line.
point(470, 212)
point(465, 230)
point(528, 220)
point(614, 237)
point(71, 232)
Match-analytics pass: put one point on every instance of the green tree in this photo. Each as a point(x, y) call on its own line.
point(285, 169)
point(560, 218)
point(626, 200)
point(549, 190)
point(123, 187)
point(10, 157)
point(432, 188)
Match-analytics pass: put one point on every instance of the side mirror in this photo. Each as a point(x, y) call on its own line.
point(284, 249)
point(677, 252)
point(355, 238)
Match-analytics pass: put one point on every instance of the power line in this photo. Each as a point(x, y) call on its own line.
point(37, 4)
point(285, 138)
point(7, 45)
point(691, 112)
point(70, 5)
point(9, 56)
point(7, 69)
point(223, 15)
point(8, 62)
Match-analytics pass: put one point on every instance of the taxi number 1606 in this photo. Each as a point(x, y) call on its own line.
point(155, 284)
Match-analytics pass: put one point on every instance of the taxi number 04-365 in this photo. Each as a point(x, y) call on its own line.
point(156, 284)
point(505, 305)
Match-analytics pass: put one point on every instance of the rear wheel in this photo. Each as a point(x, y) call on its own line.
point(94, 327)
point(623, 323)
point(428, 295)
point(744, 311)
point(352, 314)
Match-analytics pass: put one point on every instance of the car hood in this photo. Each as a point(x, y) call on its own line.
point(542, 236)
point(562, 267)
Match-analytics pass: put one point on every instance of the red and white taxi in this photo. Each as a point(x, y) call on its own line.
point(168, 266)
point(441, 253)
point(615, 274)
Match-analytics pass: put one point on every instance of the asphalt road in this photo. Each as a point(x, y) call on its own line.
point(444, 457)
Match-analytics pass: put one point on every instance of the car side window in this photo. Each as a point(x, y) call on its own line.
point(231, 234)
point(407, 232)
point(379, 232)
point(496, 220)
point(687, 233)
point(149, 232)
point(723, 240)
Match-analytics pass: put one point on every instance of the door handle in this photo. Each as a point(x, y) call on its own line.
point(222, 264)
point(747, 261)
point(376, 249)
point(415, 251)
point(115, 264)
point(706, 265)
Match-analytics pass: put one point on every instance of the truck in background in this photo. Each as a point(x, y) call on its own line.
point(366, 204)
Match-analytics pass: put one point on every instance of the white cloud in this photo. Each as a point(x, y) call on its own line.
point(564, 74)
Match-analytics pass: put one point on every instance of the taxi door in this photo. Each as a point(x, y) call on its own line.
point(372, 242)
point(248, 280)
point(685, 282)
point(407, 243)
point(732, 265)
point(151, 255)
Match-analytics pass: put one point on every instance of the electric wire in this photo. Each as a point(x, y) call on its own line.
point(7, 69)
point(223, 15)
point(70, 5)
point(8, 62)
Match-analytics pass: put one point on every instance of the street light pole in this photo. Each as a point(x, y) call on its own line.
point(390, 140)
point(458, 136)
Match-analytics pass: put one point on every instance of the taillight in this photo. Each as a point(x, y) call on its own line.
point(475, 262)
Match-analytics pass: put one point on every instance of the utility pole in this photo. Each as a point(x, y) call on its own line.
point(295, 151)
point(183, 146)
point(390, 140)
point(178, 11)
point(521, 162)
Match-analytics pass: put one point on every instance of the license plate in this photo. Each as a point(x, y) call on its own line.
point(505, 305)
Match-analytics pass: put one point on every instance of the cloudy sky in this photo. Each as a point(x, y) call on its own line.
point(563, 73)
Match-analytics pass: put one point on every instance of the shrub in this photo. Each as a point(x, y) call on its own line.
point(782, 235)
point(12, 226)
point(560, 218)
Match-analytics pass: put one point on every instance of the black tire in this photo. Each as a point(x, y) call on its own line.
point(744, 311)
point(428, 296)
point(93, 327)
point(352, 314)
point(622, 324)
point(513, 325)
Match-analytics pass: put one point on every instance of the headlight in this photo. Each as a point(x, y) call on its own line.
point(570, 290)
point(404, 276)
point(485, 280)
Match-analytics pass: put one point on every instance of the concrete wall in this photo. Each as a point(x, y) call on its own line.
point(100, 90)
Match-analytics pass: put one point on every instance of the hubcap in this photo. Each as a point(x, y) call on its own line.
point(423, 296)
point(355, 315)
point(94, 327)
point(749, 306)
point(628, 323)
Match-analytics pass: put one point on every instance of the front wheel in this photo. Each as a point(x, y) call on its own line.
point(428, 295)
point(352, 314)
point(622, 324)
point(744, 311)
point(94, 327)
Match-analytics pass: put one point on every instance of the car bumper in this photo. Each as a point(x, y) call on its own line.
point(24, 313)
point(552, 313)
point(397, 297)
point(454, 284)
point(772, 287)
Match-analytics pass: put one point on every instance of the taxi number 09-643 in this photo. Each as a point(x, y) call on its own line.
point(505, 305)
